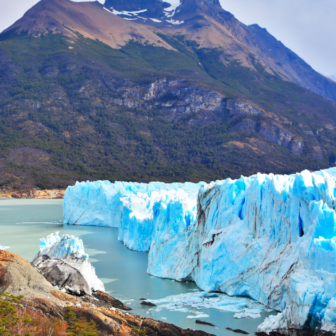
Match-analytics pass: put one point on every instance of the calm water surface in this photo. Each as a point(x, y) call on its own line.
point(23, 222)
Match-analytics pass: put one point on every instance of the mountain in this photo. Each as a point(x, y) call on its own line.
point(145, 90)
point(211, 26)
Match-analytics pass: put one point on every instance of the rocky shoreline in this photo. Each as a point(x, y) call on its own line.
point(34, 194)
point(19, 277)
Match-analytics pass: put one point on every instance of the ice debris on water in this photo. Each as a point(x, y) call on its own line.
point(188, 302)
point(4, 247)
point(268, 237)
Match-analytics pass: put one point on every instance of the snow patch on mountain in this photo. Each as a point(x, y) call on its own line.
point(173, 5)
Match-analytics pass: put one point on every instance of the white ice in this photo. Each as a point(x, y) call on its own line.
point(187, 303)
point(70, 250)
point(268, 237)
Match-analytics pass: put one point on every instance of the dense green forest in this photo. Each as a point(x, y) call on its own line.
point(59, 120)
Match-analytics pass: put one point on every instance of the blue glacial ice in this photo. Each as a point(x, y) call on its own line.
point(268, 237)
point(193, 304)
point(69, 250)
point(127, 206)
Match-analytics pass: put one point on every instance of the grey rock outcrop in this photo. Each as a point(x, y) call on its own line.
point(275, 134)
point(62, 275)
point(64, 263)
point(173, 97)
point(246, 125)
point(238, 108)
point(296, 146)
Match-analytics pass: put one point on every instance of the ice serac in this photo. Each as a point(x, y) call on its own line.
point(127, 206)
point(269, 237)
point(64, 263)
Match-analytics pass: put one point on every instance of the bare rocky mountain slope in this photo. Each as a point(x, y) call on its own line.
point(207, 23)
point(147, 91)
point(202, 21)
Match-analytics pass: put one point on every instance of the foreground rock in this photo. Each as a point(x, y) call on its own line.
point(19, 277)
point(64, 263)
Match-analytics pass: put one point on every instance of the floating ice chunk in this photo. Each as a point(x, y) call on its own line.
point(72, 269)
point(201, 315)
point(200, 301)
point(58, 248)
point(248, 313)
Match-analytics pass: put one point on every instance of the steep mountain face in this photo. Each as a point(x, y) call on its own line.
point(298, 70)
point(87, 94)
point(206, 22)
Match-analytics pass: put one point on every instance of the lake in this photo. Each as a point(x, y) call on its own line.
point(24, 222)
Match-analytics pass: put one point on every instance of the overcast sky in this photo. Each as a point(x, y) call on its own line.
point(308, 27)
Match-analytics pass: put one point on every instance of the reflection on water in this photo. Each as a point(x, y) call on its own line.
point(23, 222)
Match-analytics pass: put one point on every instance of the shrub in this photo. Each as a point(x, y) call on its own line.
point(79, 326)
point(15, 320)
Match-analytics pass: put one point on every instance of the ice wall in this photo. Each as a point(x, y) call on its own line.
point(269, 237)
point(127, 206)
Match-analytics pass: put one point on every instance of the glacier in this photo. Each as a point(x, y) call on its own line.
point(64, 263)
point(193, 302)
point(268, 237)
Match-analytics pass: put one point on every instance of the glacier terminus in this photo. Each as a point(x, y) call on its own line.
point(271, 238)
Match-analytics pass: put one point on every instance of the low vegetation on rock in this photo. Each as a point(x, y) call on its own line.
point(19, 319)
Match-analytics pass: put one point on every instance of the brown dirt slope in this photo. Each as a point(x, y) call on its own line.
point(87, 18)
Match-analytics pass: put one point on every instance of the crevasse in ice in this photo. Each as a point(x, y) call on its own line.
point(268, 237)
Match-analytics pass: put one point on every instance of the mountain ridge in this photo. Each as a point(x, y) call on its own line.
point(73, 107)
point(270, 52)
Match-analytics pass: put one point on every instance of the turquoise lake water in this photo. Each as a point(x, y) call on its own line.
point(24, 222)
